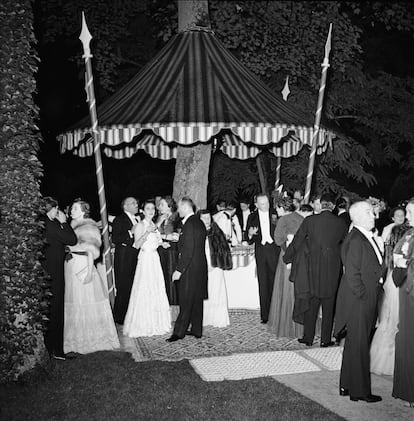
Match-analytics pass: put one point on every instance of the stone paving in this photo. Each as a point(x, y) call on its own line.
point(245, 334)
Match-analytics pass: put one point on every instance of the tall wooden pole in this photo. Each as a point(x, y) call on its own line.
point(262, 177)
point(278, 171)
point(85, 38)
point(318, 115)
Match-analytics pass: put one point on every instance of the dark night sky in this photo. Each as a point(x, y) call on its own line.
point(61, 99)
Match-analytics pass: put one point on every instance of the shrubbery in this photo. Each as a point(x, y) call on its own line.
point(22, 280)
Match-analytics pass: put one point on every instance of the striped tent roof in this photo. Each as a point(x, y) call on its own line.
point(192, 90)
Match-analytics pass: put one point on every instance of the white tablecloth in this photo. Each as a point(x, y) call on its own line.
point(242, 286)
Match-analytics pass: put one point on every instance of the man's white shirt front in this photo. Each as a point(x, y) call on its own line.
point(370, 236)
point(265, 227)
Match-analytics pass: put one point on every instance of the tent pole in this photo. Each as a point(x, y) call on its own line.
point(318, 115)
point(261, 174)
point(85, 38)
point(278, 171)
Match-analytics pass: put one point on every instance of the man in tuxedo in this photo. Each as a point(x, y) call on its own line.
point(125, 260)
point(242, 214)
point(322, 236)
point(58, 235)
point(191, 272)
point(357, 303)
point(260, 228)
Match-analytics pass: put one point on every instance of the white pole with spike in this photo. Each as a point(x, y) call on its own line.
point(85, 37)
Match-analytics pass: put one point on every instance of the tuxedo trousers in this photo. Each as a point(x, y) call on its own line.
point(125, 263)
point(54, 334)
point(267, 257)
point(311, 315)
point(191, 310)
point(355, 369)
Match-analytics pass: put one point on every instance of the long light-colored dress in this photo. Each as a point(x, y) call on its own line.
point(382, 352)
point(216, 307)
point(148, 311)
point(283, 297)
point(89, 324)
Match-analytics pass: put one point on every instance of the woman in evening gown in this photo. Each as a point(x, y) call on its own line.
point(168, 225)
point(218, 259)
point(404, 341)
point(281, 309)
point(89, 325)
point(148, 311)
point(382, 353)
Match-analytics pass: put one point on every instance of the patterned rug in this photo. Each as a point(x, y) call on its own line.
point(245, 334)
point(248, 366)
point(266, 364)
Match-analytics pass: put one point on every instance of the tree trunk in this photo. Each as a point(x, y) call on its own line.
point(192, 165)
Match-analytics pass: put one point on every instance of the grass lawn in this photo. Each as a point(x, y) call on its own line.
point(111, 386)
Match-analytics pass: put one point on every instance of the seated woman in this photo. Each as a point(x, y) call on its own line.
point(218, 259)
point(168, 224)
point(89, 325)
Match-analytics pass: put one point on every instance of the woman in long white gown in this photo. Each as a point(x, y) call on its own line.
point(148, 311)
point(382, 353)
point(218, 259)
point(89, 325)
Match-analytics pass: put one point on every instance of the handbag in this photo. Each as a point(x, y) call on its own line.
point(399, 276)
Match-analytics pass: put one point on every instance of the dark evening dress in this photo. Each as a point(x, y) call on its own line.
point(168, 257)
point(281, 308)
point(404, 342)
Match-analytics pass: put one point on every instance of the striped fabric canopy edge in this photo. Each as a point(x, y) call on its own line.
point(190, 91)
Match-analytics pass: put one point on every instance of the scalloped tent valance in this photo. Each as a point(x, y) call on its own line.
point(192, 91)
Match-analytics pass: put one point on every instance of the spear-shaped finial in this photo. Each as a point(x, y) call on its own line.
point(85, 37)
point(286, 90)
point(327, 47)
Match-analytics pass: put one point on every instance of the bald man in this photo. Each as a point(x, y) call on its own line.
point(357, 302)
point(126, 255)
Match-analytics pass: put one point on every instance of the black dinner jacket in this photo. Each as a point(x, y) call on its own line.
point(324, 234)
point(120, 227)
point(254, 221)
point(360, 280)
point(192, 262)
point(345, 216)
point(58, 236)
point(239, 215)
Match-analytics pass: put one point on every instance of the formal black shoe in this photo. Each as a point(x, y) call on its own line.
point(368, 399)
point(327, 344)
point(173, 338)
point(263, 322)
point(189, 333)
point(304, 342)
point(343, 391)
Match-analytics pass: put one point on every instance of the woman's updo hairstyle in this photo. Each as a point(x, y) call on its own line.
point(85, 207)
point(148, 202)
point(171, 203)
point(286, 203)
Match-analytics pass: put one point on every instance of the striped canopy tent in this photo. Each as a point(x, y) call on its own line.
point(193, 91)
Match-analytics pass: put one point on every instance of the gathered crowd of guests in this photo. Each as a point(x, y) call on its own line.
point(169, 261)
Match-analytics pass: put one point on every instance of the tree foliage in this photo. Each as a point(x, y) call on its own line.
point(111, 25)
point(368, 106)
point(22, 280)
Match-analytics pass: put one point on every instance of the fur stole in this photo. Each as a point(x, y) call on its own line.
point(89, 236)
point(220, 253)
